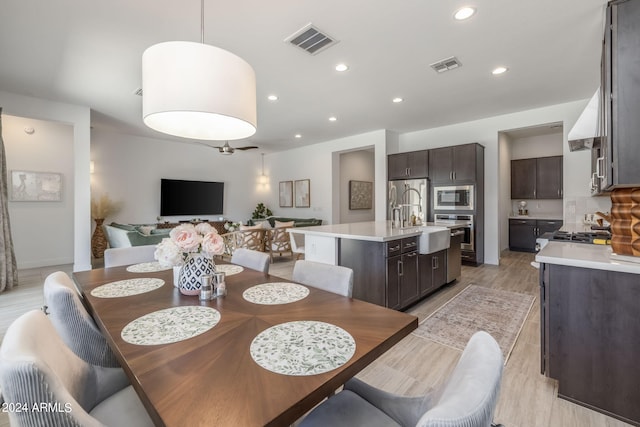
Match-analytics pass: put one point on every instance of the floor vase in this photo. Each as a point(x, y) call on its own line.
point(196, 266)
point(98, 240)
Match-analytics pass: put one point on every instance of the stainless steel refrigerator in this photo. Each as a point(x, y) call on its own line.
point(408, 199)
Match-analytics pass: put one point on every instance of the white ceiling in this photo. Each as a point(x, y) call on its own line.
point(88, 52)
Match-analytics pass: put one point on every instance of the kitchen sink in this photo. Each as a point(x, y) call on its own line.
point(433, 239)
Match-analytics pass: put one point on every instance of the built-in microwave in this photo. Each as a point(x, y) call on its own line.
point(453, 198)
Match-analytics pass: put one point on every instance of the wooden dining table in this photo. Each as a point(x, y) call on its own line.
point(212, 379)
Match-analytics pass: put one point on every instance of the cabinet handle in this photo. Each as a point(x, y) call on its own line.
point(395, 248)
point(400, 268)
point(410, 245)
point(433, 263)
point(454, 175)
point(412, 254)
point(598, 168)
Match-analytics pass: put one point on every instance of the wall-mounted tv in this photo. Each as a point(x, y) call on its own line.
point(180, 197)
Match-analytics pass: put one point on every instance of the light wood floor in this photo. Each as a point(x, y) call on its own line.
point(414, 365)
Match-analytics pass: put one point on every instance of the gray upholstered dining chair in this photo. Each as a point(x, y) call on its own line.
point(74, 325)
point(38, 370)
point(467, 399)
point(332, 278)
point(114, 257)
point(251, 259)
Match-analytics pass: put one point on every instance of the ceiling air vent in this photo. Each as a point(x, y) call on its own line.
point(138, 91)
point(311, 39)
point(446, 64)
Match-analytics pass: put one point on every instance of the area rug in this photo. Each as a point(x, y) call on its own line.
point(477, 308)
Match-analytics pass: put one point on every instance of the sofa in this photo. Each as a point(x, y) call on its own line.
point(297, 222)
point(128, 235)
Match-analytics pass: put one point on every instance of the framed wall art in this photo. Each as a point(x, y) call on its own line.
point(303, 198)
point(286, 194)
point(27, 186)
point(360, 195)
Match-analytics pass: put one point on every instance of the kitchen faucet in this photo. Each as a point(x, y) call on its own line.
point(403, 213)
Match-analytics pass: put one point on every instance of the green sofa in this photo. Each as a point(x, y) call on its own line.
point(297, 222)
point(127, 235)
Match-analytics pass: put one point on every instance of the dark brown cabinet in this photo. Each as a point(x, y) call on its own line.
point(590, 337)
point(402, 272)
point(414, 164)
point(524, 232)
point(432, 270)
point(537, 178)
point(452, 165)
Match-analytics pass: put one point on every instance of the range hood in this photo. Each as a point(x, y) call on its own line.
point(586, 131)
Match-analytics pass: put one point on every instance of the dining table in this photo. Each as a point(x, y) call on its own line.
point(265, 353)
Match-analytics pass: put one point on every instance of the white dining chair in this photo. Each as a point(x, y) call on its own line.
point(332, 278)
point(114, 257)
point(297, 243)
point(73, 323)
point(251, 259)
point(38, 370)
point(467, 399)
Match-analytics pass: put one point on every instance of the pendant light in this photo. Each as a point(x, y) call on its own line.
point(263, 179)
point(194, 90)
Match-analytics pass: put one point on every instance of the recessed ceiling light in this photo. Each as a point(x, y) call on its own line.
point(272, 97)
point(297, 135)
point(342, 67)
point(499, 70)
point(333, 119)
point(464, 13)
point(397, 100)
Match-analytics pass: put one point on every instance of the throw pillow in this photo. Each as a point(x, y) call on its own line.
point(145, 229)
point(288, 224)
point(251, 227)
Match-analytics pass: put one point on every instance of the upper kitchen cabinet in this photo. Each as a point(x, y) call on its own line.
point(456, 164)
point(620, 157)
point(539, 178)
point(414, 164)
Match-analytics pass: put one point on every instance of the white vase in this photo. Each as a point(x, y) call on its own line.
point(196, 266)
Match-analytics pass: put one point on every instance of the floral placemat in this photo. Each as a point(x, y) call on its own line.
point(127, 287)
point(170, 325)
point(146, 267)
point(302, 348)
point(275, 293)
point(229, 269)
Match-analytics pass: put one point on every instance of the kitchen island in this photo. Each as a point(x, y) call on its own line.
point(392, 267)
point(590, 334)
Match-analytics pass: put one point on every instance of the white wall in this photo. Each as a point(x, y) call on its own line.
point(79, 118)
point(129, 169)
point(485, 131)
point(41, 230)
point(359, 166)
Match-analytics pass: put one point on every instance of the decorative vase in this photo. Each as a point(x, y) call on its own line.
point(98, 240)
point(196, 266)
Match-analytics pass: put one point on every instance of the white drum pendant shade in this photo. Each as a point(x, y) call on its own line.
point(194, 90)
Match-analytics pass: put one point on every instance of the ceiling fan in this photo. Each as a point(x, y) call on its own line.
point(227, 149)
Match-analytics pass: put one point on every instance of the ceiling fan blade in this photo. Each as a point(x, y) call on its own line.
point(250, 147)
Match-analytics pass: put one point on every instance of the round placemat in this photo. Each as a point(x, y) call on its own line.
point(170, 325)
point(229, 269)
point(275, 293)
point(146, 267)
point(127, 287)
point(302, 348)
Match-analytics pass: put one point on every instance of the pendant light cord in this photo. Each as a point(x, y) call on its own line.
point(202, 21)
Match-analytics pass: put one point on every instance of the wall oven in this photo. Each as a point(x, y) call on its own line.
point(453, 198)
point(468, 240)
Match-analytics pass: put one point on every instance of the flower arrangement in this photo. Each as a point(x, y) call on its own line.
point(188, 239)
point(231, 226)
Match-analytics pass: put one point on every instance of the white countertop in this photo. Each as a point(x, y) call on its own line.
point(377, 231)
point(551, 217)
point(586, 256)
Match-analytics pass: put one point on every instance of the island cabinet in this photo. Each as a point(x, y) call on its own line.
point(590, 337)
point(432, 271)
point(456, 164)
point(385, 273)
point(414, 164)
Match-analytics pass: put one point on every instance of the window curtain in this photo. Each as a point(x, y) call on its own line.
point(8, 269)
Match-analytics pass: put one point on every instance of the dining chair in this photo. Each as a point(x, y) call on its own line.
point(42, 375)
point(73, 323)
point(297, 243)
point(251, 259)
point(277, 241)
point(332, 278)
point(467, 399)
point(114, 257)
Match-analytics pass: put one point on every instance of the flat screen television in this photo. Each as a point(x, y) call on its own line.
point(180, 197)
